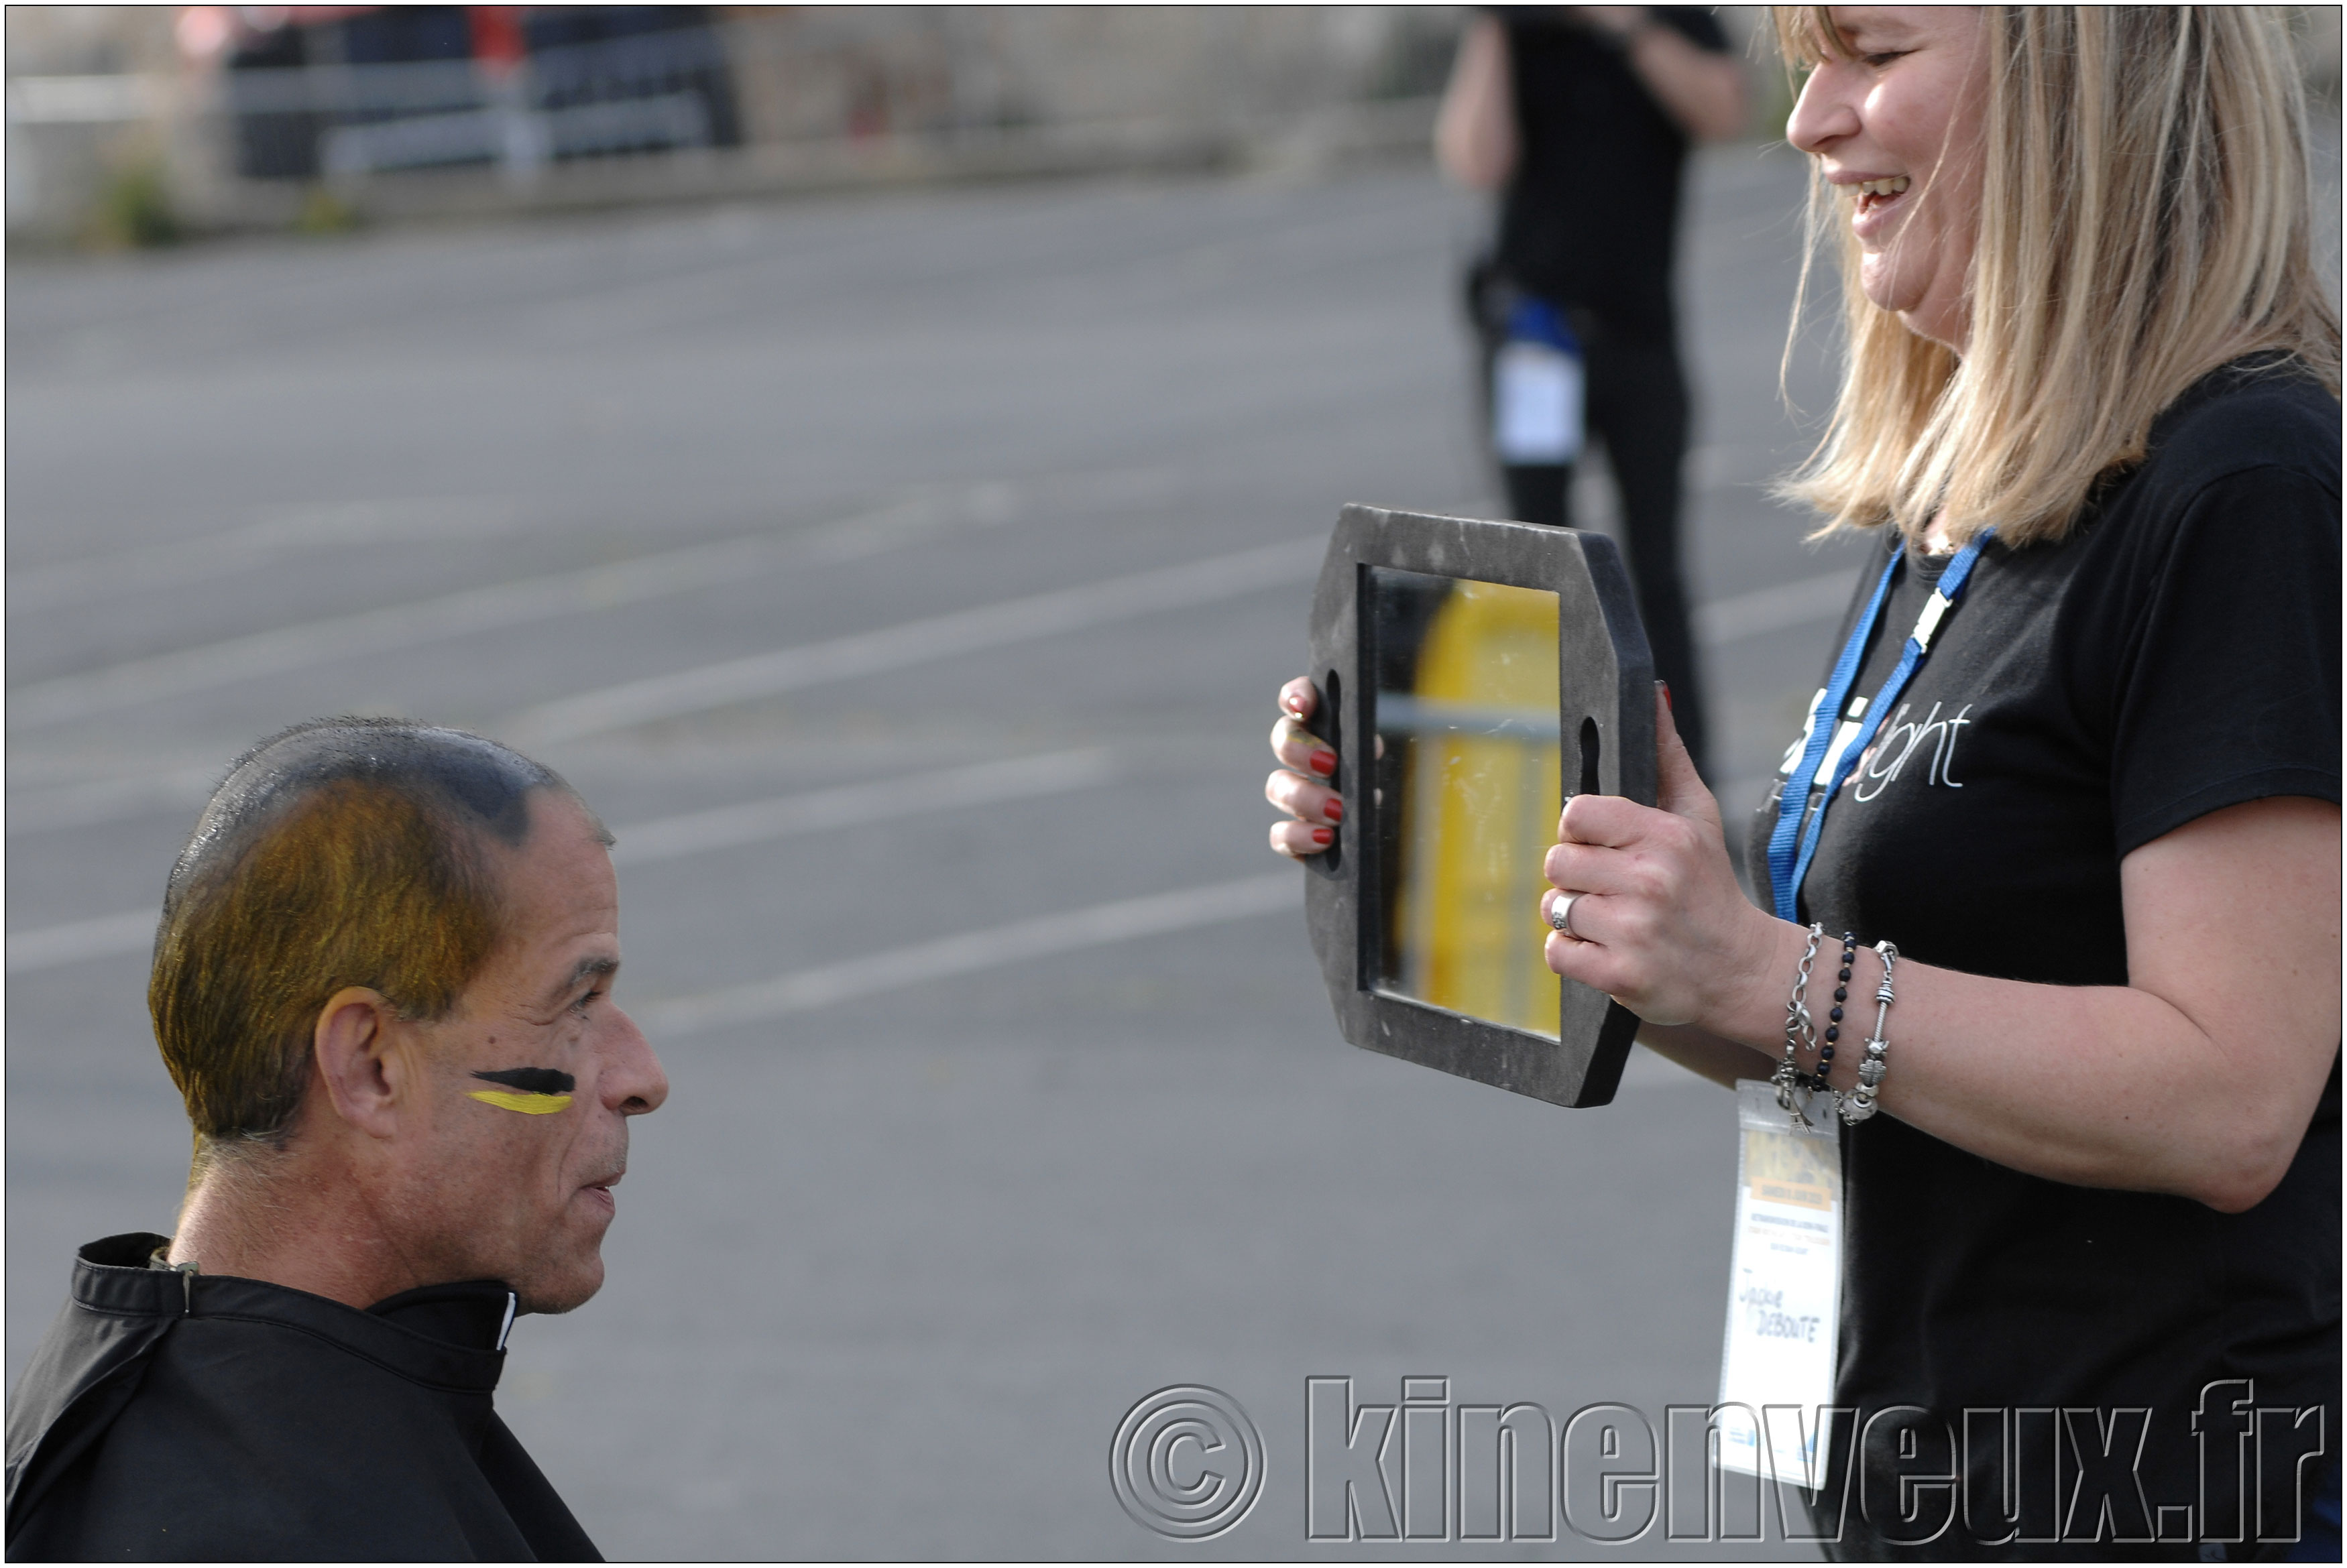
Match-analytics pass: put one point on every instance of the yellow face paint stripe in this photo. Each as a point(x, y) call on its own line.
point(527, 1105)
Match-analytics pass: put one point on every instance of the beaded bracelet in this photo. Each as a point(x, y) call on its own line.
point(1858, 1105)
point(1800, 1029)
point(1833, 1017)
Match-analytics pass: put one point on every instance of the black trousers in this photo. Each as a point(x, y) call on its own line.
point(1637, 405)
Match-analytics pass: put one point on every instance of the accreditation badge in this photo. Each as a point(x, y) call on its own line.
point(1536, 405)
point(1777, 1366)
point(1537, 389)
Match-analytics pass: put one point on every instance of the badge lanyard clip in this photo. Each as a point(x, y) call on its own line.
point(1794, 841)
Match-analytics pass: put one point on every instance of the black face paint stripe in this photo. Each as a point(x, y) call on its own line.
point(531, 1080)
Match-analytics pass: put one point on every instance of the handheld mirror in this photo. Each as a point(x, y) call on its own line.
point(1472, 674)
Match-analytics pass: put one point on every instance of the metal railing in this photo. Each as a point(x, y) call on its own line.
point(649, 92)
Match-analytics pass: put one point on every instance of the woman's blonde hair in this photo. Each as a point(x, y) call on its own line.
point(2144, 218)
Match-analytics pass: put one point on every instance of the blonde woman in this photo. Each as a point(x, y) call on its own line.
point(2091, 397)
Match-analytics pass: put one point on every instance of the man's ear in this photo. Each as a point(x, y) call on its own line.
point(356, 1047)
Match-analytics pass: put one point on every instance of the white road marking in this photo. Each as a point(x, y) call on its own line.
point(969, 953)
point(101, 938)
point(63, 584)
point(994, 625)
point(911, 643)
point(693, 833)
point(495, 608)
point(111, 799)
point(1722, 621)
point(886, 800)
point(1776, 609)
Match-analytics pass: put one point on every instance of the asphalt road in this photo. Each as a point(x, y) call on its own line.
point(906, 580)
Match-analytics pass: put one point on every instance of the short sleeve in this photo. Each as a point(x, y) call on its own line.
point(2228, 686)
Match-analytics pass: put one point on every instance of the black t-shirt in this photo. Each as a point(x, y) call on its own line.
point(2177, 653)
point(1591, 216)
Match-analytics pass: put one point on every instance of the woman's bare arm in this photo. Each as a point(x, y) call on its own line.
point(1706, 1055)
point(1702, 91)
point(1475, 130)
point(2197, 1077)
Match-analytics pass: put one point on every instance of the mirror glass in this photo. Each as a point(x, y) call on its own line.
point(1469, 772)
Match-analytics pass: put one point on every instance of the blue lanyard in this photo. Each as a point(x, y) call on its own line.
point(1790, 847)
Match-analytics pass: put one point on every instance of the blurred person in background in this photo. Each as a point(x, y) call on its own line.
point(383, 986)
point(2086, 809)
point(1580, 117)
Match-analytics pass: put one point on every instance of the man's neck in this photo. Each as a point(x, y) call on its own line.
point(270, 1217)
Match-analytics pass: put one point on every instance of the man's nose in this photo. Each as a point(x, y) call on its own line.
point(636, 1082)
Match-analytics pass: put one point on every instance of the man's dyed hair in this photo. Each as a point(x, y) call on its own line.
point(340, 852)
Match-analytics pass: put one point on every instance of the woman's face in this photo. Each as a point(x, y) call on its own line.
point(1896, 130)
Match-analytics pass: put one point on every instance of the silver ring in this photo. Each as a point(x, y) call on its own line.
point(1560, 916)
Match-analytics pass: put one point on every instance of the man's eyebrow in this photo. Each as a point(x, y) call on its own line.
point(586, 969)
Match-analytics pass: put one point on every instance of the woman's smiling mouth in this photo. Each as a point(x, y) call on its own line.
point(1873, 199)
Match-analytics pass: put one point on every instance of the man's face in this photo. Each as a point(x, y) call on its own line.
point(526, 1084)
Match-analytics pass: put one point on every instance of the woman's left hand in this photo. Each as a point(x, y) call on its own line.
point(1660, 923)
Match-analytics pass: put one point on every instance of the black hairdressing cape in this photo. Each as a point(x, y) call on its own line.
point(179, 1416)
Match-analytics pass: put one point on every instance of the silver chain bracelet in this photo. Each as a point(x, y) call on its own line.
point(1799, 1028)
point(1860, 1104)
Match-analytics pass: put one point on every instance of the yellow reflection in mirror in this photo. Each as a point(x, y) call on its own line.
point(1483, 785)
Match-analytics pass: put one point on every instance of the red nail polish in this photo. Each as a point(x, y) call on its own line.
point(1334, 811)
point(1324, 763)
point(1324, 837)
point(1666, 695)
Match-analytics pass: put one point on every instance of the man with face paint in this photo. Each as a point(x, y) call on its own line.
point(382, 984)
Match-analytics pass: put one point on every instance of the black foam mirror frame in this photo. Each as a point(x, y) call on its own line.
point(1605, 679)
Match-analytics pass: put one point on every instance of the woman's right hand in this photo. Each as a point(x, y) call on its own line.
point(1296, 787)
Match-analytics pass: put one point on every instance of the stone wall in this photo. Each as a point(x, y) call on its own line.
point(808, 73)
